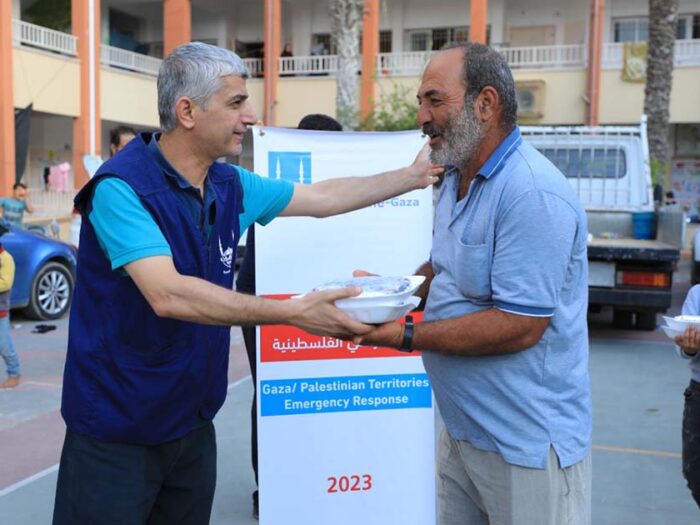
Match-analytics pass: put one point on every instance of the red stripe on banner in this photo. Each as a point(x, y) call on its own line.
point(288, 343)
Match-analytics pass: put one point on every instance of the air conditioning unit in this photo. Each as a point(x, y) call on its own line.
point(530, 96)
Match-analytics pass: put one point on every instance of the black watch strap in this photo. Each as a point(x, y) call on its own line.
point(407, 342)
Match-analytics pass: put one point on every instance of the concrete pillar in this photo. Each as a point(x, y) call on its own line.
point(87, 133)
point(477, 21)
point(177, 24)
point(272, 34)
point(7, 106)
point(595, 45)
point(370, 49)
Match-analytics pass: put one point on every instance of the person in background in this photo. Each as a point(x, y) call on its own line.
point(245, 283)
point(7, 349)
point(689, 345)
point(120, 137)
point(13, 208)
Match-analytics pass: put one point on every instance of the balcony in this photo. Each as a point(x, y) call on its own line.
point(553, 58)
point(685, 54)
point(129, 61)
point(31, 35)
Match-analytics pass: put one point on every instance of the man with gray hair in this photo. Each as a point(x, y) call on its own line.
point(146, 369)
point(504, 337)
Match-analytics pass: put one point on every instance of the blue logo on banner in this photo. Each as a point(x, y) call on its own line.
point(316, 395)
point(294, 166)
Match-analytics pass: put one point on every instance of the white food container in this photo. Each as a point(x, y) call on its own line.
point(379, 313)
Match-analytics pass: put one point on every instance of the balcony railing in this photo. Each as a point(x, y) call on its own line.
point(26, 34)
point(308, 65)
point(685, 53)
point(396, 64)
point(412, 63)
point(546, 57)
point(558, 57)
point(128, 60)
point(255, 66)
point(51, 203)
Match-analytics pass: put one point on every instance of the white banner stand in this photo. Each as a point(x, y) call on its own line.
point(345, 433)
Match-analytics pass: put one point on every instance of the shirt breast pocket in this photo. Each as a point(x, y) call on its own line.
point(472, 271)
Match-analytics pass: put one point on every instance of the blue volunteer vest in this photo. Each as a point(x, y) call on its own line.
point(130, 376)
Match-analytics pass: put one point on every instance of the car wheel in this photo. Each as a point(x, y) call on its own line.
point(51, 293)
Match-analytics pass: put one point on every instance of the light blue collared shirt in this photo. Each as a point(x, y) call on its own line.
point(691, 306)
point(516, 242)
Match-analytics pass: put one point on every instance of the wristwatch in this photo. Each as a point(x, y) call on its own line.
point(407, 342)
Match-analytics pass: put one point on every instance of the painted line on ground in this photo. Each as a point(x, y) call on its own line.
point(242, 380)
point(26, 481)
point(640, 451)
point(40, 383)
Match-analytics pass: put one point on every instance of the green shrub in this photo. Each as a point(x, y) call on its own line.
point(394, 111)
point(54, 14)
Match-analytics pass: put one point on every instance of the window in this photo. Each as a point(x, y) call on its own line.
point(630, 29)
point(636, 29)
point(123, 30)
point(688, 27)
point(322, 44)
point(418, 40)
point(438, 38)
point(385, 41)
point(598, 163)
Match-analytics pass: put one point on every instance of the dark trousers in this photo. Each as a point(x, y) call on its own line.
point(250, 347)
point(102, 483)
point(691, 439)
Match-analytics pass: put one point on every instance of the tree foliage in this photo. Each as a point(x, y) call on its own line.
point(54, 14)
point(394, 111)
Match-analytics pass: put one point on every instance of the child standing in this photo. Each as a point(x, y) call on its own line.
point(7, 349)
point(15, 206)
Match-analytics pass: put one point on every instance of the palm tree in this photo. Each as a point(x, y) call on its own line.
point(346, 16)
point(663, 16)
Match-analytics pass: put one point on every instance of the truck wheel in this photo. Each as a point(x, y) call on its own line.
point(646, 320)
point(623, 319)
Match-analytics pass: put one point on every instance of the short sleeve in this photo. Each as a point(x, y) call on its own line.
point(534, 243)
point(125, 230)
point(263, 198)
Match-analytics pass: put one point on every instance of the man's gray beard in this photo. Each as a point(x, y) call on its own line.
point(461, 139)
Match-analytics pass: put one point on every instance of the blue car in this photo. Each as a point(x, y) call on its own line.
point(44, 274)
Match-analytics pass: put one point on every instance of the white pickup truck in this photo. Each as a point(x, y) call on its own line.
point(608, 166)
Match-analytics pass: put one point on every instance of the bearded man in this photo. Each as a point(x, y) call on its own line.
point(504, 337)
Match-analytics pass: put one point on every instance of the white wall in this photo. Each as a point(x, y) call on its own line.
point(16, 9)
point(248, 18)
point(545, 12)
point(207, 25)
